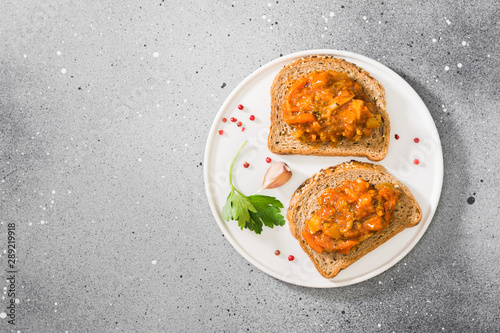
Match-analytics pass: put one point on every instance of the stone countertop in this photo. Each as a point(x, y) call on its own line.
point(105, 108)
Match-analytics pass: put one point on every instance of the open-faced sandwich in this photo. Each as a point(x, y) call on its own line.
point(343, 212)
point(322, 105)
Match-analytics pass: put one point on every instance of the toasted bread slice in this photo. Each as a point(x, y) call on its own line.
point(281, 139)
point(304, 203)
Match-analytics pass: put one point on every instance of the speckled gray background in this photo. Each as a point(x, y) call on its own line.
point(105, 108)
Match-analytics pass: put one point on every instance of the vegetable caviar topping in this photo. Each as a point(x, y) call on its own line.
point(268, 160)
point(224, 120)
point(239, 123)
point(416, 140)
point(221, 132)
point(350, 214)
point(252, 118)
point(416, 162)
point(254, 211)
point(241, 107)
point(327, 106)
point(291, 258)
point(277, 252)
point(246, 165)
point(396, 137)
point(233, 119)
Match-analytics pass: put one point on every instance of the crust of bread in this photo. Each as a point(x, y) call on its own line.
point(281, 139)
point(304, 203)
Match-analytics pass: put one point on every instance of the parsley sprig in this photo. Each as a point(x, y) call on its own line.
point(251, 212)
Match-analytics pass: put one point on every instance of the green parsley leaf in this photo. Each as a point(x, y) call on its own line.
point(237, 208)
point(254, 211)
point(268, 210)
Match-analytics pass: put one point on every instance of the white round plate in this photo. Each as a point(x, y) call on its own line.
point(410, 119)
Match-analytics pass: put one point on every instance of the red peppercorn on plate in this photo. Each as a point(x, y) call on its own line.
point(414, 157)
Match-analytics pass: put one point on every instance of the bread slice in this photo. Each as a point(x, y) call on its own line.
point(281, 139)
point(304, 203)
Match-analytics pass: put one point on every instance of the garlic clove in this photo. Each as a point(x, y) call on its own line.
point(278, 174)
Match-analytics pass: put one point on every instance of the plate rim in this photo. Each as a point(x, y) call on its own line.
point(290, 57)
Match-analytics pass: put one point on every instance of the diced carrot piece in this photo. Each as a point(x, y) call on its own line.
point(314, 223)
point(309, 239)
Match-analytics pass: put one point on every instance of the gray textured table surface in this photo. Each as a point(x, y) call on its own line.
point(104, 113)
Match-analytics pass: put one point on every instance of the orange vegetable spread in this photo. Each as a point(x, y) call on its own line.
point(326, 106)
point(350, 214)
